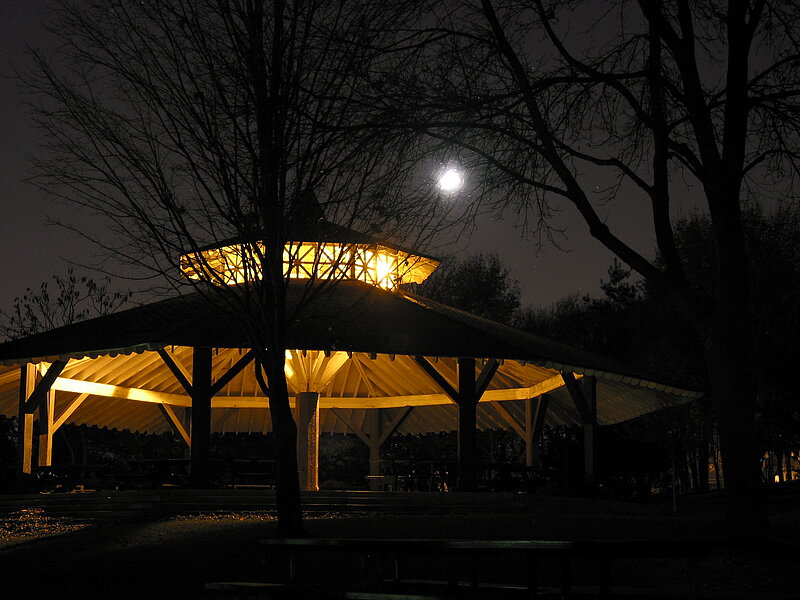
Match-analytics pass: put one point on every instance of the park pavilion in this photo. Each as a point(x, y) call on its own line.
point(367, 358)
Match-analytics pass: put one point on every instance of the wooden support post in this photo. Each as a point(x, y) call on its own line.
point(467, 400)
point(307, 419)
point(466, 397)
point(374, 422)
point(589, 389)
point(46, 429)
point(201, 418)
point(535, 411)
point(375, 433)
point(584, 396)
point(27, 383)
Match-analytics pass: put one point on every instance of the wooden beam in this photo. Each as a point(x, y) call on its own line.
point(226, 414)
point(365, 377)
point(535, 412)
point(577, 396)
point(27, 383)
point(395, 424)
point(351, 425)
point(437, 377)
point(376, 401)
point(201, 418)
point(67, 412)
point(114, 391)
point(487, 373)
point(328, 368)
point(46, 429)
point(177, 370)
point(509, 418)
point(539, 416)
point(467, 400)
point(589, 390)
point(235, 369)
point(39, 393)
point(175, 423)
point(374, 422)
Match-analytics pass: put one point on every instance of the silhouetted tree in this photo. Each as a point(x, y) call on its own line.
point(184, 124)
point(78, 298)
point(479, 284)
point(636, 323)
point(653, 101)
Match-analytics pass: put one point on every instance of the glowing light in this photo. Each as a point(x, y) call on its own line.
point(451, 180)
point(374, 264)
point(385, 266)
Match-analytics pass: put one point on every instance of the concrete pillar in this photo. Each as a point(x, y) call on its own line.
point(307, 419)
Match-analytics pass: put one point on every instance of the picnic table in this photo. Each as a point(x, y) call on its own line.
point(388, 568)
point(64, 477)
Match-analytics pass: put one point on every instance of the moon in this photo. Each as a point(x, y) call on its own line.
point(451, 180)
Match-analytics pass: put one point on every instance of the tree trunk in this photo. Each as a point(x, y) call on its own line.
point(290, 512)
point(734, 399)
point(703, 454)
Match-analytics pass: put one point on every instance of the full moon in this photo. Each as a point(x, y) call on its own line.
point(450, 180)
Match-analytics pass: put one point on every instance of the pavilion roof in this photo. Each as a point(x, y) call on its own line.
point(380, 331)
point(349, 316)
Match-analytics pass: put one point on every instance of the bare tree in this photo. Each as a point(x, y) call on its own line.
point(192, 124)
point(653, 99)
point(78, 298)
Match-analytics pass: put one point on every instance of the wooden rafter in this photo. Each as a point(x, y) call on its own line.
point(366, 437)
point(69, 410)
point(509, 418)
point(486, 375)
point(395, 424)
point(235, 369)
point(577, 396)
point(143, 395)
point(437, 377)
point(175, 423)
point(114, 391)
point(177, 370)
point(365, 377)
point(328, 368)
point(39, 393)
point(226, 415)
point(352, 426)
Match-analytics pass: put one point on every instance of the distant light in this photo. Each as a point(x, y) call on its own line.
point(451, 180)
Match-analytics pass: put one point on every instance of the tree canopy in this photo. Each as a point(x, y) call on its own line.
point(653, 102)
point(479, 284)
point(78, 298)
point(187, 124)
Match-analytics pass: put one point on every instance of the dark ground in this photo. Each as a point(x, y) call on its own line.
point(41, 557)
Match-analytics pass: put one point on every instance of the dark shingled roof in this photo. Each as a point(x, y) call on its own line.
point(348, 316)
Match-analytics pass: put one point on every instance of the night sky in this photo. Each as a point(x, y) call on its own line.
point(34, 250)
